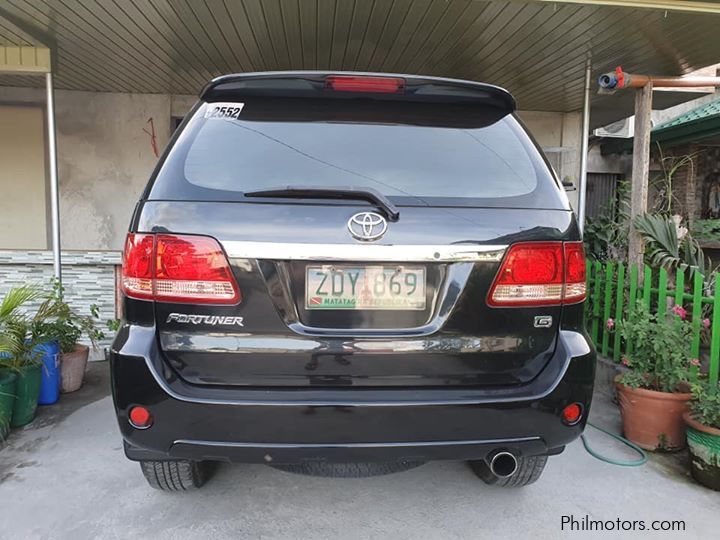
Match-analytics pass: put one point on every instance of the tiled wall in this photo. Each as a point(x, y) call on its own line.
point(88, 278)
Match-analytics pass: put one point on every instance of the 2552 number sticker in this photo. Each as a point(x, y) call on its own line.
point(224, 110)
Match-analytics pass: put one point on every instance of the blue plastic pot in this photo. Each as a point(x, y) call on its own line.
point(50, 379)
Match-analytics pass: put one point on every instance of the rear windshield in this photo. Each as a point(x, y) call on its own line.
point(413, 153)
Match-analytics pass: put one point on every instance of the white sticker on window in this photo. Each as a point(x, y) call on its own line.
point(224, 110)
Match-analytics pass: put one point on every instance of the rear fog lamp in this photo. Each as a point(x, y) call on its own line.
point(140, 418)
point(572, 414)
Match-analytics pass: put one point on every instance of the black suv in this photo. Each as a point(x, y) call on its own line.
point(351, 273)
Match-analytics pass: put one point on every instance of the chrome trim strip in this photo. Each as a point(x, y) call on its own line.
point(281, 251)
point(273, 344)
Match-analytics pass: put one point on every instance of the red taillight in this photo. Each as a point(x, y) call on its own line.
point(137, 268)
point(177, 268)
point(193, 269)
point(575, 284)
point(140, 418)
point(540, 274)
point(380, 85)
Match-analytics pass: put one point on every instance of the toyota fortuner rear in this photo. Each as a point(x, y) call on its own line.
point(351, 272)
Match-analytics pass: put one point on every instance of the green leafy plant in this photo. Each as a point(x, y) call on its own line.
point(668, 245)
point(14, 328)
point(663, 200)
point(21, 332)
point(113, 325)
point(606, 235)
point(706, 229)
point(705, 405)
point(661, 357)
point(66, 326)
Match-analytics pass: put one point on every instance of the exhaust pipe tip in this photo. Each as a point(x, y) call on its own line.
point(503, 464)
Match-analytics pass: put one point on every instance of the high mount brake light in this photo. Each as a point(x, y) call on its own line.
point(376, 85)
point(177, 268)
point(540, 274)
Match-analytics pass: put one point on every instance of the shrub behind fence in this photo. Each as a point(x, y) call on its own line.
point(613, 293)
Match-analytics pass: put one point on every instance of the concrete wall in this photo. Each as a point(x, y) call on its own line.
point(613, 164)
point(22, 178)
point(104, 158)
point(559, 134)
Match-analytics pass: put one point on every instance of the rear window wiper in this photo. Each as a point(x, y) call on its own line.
point(316, 192)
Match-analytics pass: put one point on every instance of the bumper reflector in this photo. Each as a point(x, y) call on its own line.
point(140, 418)
point(572, 414)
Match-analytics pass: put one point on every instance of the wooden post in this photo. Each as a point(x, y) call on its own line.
point(640, 170)
point(691, 187)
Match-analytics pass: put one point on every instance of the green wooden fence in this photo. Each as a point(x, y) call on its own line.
point(613, 291)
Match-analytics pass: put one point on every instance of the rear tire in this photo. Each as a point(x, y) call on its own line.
point(528, 472)
point(175, 475)
point(347, 470)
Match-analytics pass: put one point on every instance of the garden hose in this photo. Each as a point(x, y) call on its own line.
point(643, 456)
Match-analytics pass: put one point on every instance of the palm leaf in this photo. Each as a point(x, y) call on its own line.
point(15, 298)
point(15, 327)
point(664, 248)
point(660, 234)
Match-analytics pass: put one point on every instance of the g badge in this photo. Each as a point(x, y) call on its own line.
point(543, 321)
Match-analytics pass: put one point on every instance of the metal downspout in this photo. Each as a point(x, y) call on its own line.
point(54, 188)
point(582, 191)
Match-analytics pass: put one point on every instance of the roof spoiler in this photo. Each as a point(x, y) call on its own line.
point(315, 84)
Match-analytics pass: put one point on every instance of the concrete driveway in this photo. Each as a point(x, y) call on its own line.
point(66, 477)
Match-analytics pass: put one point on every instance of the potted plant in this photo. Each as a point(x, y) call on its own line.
point(703, 435)
point(67, 327)
point(20, 339)
point(654, 394)
point(9, 314)
point(7, 401)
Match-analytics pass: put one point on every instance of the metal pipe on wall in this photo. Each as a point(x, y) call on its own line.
point(582, 188)
point(54, 188)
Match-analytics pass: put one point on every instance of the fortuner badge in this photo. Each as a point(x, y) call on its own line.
point(212, 320)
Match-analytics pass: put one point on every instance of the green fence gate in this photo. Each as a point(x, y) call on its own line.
point(613, 291)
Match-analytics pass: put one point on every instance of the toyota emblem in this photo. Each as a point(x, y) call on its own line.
point(367, 226)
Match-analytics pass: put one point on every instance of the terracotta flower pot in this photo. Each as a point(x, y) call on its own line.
point(653, 420)
point(72, 368)
point(704, 446)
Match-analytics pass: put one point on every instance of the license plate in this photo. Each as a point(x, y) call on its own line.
point(365, 287)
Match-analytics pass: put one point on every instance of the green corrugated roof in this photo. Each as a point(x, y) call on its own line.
point(704, 112)
point(695, 125)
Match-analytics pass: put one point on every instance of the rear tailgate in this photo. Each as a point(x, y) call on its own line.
point(456, 339)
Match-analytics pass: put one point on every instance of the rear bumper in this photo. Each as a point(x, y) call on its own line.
point(344, 425)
